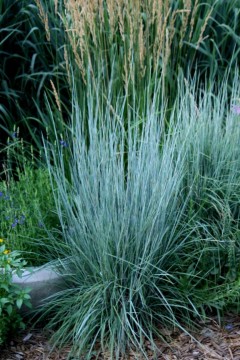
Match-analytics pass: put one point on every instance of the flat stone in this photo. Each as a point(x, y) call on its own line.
point(43, 282)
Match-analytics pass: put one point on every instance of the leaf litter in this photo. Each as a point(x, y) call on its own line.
point(212, 342)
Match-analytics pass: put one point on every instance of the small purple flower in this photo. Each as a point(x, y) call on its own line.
point(236, 109)
point(63, 143)
point(22, 220)
point(1, 194)
point(14, 224)
point(229, 327)
point(14, 135)
point(40, 224)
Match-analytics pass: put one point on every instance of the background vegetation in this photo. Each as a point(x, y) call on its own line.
point(128, 45)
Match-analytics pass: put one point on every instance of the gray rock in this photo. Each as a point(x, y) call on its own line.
point(43, 282)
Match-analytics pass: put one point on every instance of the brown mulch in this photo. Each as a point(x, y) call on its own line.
point(212, 342)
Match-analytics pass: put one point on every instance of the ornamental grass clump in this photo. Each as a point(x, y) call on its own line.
point(213, 175)
point(131, 258)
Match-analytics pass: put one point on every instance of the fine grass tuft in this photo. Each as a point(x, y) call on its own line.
point(142, 246)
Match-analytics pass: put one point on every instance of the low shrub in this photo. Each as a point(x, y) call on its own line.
point(12, 297)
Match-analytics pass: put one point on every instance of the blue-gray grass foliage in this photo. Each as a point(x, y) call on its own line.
point(138, 234)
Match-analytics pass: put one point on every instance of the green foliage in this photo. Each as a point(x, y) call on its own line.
point(28, 62)
point(12, 297)
point(27, 212)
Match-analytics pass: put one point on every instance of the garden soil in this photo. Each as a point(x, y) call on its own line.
point(212, 341)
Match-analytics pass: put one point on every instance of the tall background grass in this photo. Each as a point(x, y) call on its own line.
point(124, 45)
